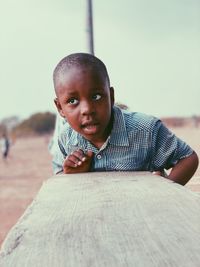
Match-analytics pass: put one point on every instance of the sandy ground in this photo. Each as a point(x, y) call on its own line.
point(29, 164)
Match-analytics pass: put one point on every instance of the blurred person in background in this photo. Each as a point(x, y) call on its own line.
point(5, 146)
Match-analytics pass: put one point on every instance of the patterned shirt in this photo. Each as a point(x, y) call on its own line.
point(137, 142)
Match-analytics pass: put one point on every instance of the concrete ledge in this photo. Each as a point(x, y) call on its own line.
point(107, 219)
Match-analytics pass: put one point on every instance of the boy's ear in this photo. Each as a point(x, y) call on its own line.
point(59, 108)
point(112, 96)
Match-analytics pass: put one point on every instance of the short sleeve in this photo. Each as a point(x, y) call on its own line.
point(167, 148)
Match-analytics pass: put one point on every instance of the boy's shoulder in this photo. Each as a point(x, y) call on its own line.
point(65, 131)
point(137, 120)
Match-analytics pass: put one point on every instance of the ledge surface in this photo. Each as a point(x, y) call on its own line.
point(111, 219)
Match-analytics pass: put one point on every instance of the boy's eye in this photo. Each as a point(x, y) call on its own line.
point(96, 97)
point(72, 101)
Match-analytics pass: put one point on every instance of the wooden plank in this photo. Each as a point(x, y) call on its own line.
point(107, 219)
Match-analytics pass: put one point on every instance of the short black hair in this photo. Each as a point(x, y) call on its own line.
point(79, 60)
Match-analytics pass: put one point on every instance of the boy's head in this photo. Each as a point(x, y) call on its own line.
point(84, 96)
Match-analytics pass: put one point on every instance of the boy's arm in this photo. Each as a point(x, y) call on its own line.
point(184, 169)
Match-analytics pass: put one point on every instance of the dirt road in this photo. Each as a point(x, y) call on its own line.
point(28, 165)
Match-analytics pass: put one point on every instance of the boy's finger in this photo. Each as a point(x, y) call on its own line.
point(157, 173)
point(70, 163)
point(90, 153)
point(79, 154)
point(75, 159)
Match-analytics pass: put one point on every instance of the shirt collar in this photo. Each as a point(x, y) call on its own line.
point(77, 140)
point(118, 134)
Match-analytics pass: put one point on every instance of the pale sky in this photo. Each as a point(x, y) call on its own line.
point(151, 49)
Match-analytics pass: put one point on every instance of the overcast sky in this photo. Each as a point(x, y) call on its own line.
point(151, 49)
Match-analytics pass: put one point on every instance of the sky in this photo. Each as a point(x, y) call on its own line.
point(151, 50)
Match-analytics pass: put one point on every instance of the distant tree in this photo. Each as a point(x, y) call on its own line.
point(11, 122)
point(39, 123)
point(3, 129)
point(42, 122)
point(7, 124)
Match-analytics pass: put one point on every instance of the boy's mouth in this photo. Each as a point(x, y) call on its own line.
point(90, 128)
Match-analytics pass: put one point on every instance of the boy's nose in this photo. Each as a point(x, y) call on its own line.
point(87, 108)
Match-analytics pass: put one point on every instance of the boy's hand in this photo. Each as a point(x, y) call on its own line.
point(77, 162)
point(157, 173)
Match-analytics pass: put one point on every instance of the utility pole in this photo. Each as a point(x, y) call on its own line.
point(90, 27)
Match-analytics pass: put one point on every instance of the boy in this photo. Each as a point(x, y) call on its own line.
point(99, 136)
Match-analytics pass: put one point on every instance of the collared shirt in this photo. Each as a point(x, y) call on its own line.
point(137, 142)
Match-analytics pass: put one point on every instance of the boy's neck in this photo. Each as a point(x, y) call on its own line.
point(99, 144)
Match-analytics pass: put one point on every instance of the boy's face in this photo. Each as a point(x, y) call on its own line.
point(85, 100)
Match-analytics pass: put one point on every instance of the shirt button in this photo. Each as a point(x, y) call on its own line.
point(99, 156)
